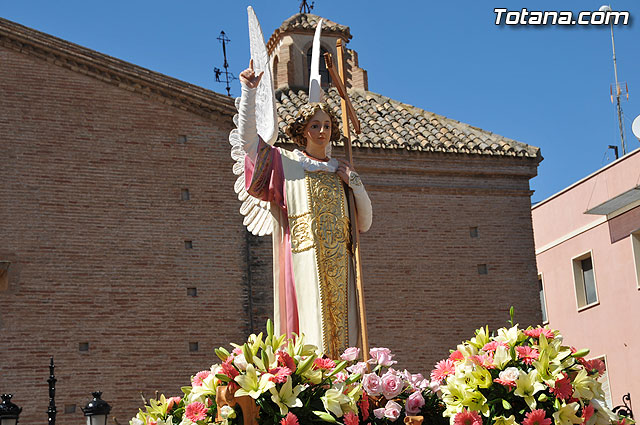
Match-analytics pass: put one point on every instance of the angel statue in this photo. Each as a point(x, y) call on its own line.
point(299, 197)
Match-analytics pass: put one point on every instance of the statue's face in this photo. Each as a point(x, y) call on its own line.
point(318, 129)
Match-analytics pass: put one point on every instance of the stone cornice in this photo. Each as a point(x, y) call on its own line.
point(125, 75)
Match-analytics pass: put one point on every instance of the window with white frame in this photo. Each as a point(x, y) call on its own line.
point(635, 245)
point(585, 280)
point(603, 378)
point(543, 302)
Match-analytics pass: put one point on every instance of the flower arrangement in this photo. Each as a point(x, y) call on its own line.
point(292, 384)
point(523, 377)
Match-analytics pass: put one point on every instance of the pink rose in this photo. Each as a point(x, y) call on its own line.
point(350, 354)
point(391, 385)
point(417, 381)
point(372, 384)
point(381, 356)
point(392, 410)
point(379, 413)
point(414, 403)
point(360, 367)
point(509, 374)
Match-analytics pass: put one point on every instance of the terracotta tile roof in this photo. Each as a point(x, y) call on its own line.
point(389, 124)
point(307, 22)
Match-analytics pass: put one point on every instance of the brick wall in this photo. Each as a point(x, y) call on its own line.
point(93, 222)
point(94, 225)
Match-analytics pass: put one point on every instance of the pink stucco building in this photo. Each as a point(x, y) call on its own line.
point(587, 240)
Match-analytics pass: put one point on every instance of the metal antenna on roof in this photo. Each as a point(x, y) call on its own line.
point(228, 77)
point(304, 6)
point(618, 87)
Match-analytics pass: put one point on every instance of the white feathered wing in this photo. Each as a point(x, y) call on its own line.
point(257, 214)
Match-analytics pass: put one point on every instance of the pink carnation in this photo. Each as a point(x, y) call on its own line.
point(493, 346)
point(364, 406)
point(280, 374)
point(587, 412)
point(484, 360)
point(391, 385)
point(229, 370)
point(467, 417)
point(340, 377)
point(456, 355)
point(536, 332)
point(196, 411)
point(442, 369)
point(284, 359)
point(510, 384)
point(527, 354)
point(414, 403)
point(197, 380)
point(237, 351)
point(351, 418)
point(536, 417)
point(593, 366)
point(324, 363)
point(290, 419)
point(562, 388)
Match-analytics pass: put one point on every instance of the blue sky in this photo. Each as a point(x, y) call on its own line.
point(546, 86)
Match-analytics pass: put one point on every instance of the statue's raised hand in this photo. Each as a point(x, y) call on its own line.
point(249, 78)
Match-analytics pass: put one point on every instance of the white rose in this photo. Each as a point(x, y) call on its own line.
point(240, 362)
point(509, 374)
point(227, 412)
point(136, 421)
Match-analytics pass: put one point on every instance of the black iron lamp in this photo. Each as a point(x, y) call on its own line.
point(96, 411)
point(9, 412)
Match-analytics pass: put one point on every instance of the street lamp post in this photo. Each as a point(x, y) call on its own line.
point(9, 412)
point(96, 411)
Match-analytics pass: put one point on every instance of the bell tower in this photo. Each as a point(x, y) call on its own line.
point(289, 50)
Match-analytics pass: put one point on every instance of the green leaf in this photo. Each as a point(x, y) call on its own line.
point(506, 405)
point(353, 378)
point(305, 365)
point(339, 368)
point(325, 416)
point(222, 377)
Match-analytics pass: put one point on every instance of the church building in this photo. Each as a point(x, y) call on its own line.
point(123, 254)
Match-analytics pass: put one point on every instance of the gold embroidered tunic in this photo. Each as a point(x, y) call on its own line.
point(314, 290)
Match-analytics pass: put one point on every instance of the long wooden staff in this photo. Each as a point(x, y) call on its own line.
point(338, 78)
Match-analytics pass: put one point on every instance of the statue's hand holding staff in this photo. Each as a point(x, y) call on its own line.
point(344, 170)
point(249, 78)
